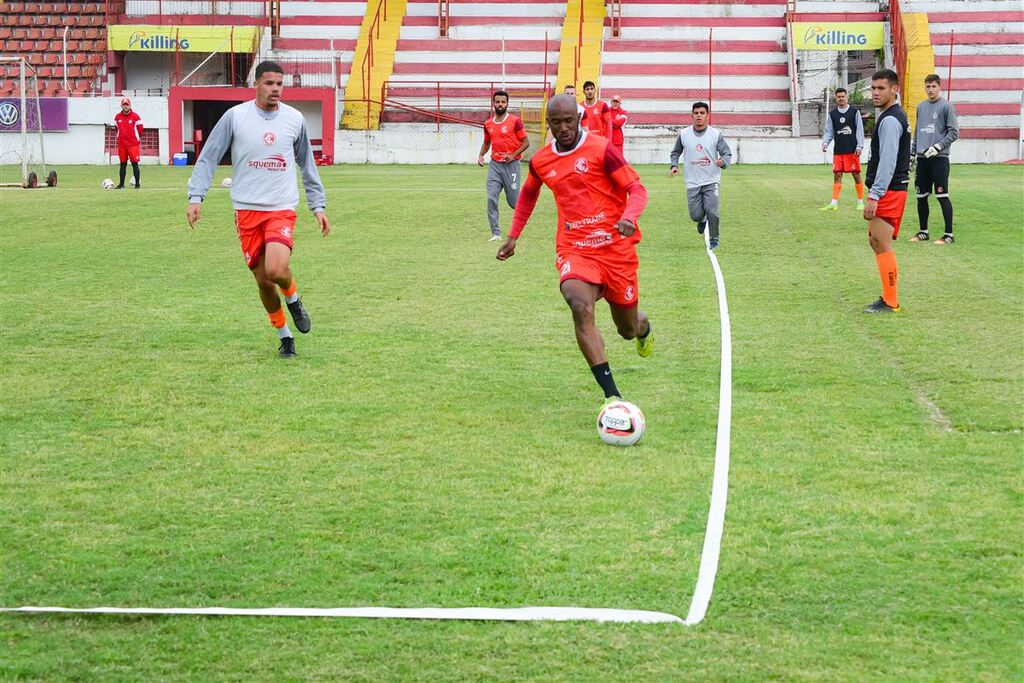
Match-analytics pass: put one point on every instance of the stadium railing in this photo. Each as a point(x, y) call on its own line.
point(165, 12)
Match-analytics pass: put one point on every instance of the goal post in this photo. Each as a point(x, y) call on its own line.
point(27, 77)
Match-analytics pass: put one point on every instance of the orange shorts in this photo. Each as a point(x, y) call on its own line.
point(256, 228)
point(846, 163)
point(615, 273)
point(125, 153)
point(890, 209)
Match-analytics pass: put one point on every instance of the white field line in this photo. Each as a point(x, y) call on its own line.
point(460, 613)
point(701, 595)
point(720, 481)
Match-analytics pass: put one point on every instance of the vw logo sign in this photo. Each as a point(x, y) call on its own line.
point(8, 114)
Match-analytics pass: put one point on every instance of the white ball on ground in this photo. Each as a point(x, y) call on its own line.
point(108, 184)
point(226, 182)
point(620, 423)
point(132, 180)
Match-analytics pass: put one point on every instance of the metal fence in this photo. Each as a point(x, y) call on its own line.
point(163, 12)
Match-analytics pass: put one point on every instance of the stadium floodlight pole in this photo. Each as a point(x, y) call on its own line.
point(64, 50)
point(39, 120)
point(24, 124)
point(203, 63)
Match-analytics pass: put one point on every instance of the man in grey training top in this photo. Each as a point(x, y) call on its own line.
point(705, 153)
point(267, 140)
point(934, 131)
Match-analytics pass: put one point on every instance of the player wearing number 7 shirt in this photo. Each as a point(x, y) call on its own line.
point(599, 198)
point(506, 137)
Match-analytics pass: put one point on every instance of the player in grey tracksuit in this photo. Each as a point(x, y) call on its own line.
point(935, 130)
point(705, 153)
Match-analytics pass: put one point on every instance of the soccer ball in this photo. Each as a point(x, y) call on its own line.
point(226, 182)
point(132, 181)
point(620, 423)
point(108, 184)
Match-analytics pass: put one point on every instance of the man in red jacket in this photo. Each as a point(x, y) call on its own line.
point(129, 138)
point(619, 116)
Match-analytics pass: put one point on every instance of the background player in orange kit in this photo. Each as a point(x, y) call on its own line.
point(506, 137)
point(598, 116)
point(129, 140)
point(888, 179)
point(599, 198)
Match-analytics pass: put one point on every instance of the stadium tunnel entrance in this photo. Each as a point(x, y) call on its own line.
point(192, 109)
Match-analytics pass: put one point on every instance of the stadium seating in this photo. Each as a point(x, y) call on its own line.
point(489, 43)
point(987, 74)
point(659, 64)
point(35, 31)
point(307, 32)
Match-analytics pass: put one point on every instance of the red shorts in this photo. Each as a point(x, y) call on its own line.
point(846, 163)
point(256, 228)
point(615, 272)
point(125, 153)
point(890, 209)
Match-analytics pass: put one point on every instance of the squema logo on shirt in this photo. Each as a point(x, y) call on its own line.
point(275, 162)
point(140, 40)
point(853, 35)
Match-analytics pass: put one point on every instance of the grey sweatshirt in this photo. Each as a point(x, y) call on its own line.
point(265, 149)
point(936, 125)
point(698, 158)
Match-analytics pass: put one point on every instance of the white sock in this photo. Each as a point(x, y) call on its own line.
point(283, 332)
point(293, 298)
point(835, 202)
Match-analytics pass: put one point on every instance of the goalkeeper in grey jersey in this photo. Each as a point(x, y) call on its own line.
point(935, 130)
point(705, 153)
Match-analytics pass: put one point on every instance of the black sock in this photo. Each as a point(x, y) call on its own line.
point(947, 213)
point(124, 167)
point(922, 213)
point(135, 170)
point(603, 375)
point(644, 335)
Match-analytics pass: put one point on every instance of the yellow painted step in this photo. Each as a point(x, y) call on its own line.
point(579, 58)
point(384, 19)
point(920, 62)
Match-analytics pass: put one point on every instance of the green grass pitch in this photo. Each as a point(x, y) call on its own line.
point(433, 443)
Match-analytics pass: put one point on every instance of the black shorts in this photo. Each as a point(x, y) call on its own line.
point(931, 173)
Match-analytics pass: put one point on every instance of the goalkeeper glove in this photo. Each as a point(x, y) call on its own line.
point(931, 151)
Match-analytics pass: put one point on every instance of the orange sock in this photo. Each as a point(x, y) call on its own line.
point(860, 191)
point(290, 290)
point(889, 273)
point(277, 318)
point(837, 189)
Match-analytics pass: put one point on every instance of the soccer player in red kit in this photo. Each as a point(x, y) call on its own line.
point(129, 139)
point(598, 119)
point(599, 198)
point(506, 137)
